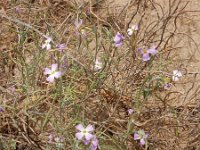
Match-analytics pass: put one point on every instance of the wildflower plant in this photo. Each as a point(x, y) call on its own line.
point(102, 91)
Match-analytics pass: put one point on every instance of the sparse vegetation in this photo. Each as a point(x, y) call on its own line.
point(97, 74)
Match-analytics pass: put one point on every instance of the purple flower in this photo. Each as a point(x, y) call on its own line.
point(50, 138)
point(61, 46)
point(118, 39)
point(52, 73)
point(84, 132)
point(146, 53)
point(1, 109)
point(142, 136)
point(167, 86)
point(130, 111)
point(86, 142)
point(94, 143)
point(17, 9)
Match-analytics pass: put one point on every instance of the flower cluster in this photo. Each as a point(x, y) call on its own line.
point(119, 37)
point(86, 135)
point(146, 53)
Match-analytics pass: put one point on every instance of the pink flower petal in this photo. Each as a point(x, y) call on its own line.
point(93, 147)
point(43, 46)
point(50, 78)
point(142, 141)
point(136, 136)
point(152, 51)
point(95, 141)
point(57, 74)
point(135, 27)
point(80, 127)
point(47, 71)
point(117, 38)
point(57, 139)
point(118, 44)
point(167, 86)
point(79, 135)
point(140, 50)
point(130, 111)
point(146, 57)
point(54, 67)
point(89, 128)
point(49, 39)
point(50, 138)
point(88, 136)
point(61, 46)
point(86, 142)
point(130, 32)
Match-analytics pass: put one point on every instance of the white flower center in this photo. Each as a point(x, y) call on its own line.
point(53, 72)
point(84, 132)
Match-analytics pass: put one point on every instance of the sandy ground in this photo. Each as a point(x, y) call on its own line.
point(186, 59)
